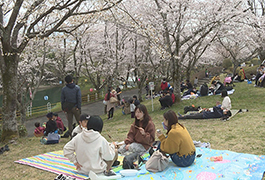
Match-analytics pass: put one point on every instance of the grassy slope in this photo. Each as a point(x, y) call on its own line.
point(244, 133)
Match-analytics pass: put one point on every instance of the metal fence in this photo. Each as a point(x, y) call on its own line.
point(88, 98)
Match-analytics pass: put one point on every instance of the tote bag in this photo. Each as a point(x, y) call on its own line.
point(157, 162)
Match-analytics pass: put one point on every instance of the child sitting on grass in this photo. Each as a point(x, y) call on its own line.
point(39, 131)
point(90, 151)
point(82, 124)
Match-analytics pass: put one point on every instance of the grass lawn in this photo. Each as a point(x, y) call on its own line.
point(243, 133)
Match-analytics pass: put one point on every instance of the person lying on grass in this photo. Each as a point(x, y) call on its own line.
point(142, 133)
point(178, 143)
point(218, 111)
point(90, 151)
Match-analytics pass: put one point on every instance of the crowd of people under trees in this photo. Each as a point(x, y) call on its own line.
point(90, 151)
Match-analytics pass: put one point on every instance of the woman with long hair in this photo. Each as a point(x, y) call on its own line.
point(141, 134)
point(110, 105)
point(178, 143)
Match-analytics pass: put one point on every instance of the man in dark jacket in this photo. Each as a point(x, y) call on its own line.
point(71, 101)
point(166, 100)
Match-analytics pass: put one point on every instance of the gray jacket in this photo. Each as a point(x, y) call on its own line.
point(71, 93)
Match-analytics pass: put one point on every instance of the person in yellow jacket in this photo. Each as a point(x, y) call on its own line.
point(178, 143)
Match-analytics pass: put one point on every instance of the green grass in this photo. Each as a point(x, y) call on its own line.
point(244, 133)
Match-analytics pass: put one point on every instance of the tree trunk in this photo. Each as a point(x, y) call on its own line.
point(176, 82)
point(9, 77)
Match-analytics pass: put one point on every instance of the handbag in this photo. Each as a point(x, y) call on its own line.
point(113, 100)
point(157, 162)
point(53, 138)
point(132, 161)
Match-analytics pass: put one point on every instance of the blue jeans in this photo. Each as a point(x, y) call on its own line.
point(182, 161)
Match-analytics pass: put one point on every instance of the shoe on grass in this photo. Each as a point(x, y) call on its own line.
point(6, 148)
point(2, 150)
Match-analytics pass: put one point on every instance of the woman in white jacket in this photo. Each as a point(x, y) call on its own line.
point(90, 151)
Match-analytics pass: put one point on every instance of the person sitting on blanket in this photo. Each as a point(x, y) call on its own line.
point(90, 151)
point(142, 133)
point(178, 143)
point(82, 124)
point(51, 125)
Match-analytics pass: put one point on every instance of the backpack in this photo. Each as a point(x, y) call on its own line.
point(204, 90)
point(130, 161)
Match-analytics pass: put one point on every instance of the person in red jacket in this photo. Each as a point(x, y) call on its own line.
point(59, 121)
point(39, 130)
point(164, 84)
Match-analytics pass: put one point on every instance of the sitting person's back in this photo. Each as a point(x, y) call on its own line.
point(90, 151)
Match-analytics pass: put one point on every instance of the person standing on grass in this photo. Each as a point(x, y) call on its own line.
point(71, 101)
point(110, 105)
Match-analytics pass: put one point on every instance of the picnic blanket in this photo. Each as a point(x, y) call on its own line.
point(233, 166)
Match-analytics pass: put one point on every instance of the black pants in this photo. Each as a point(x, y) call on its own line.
point(257, 78)
point(192, 116)
point(110, 115)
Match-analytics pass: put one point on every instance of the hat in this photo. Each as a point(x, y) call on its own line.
point(84, 117)
point(49, 115)
point(113, 91)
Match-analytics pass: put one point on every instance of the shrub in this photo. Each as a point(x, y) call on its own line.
point(255, 61)
point(22, 131)
point(227, 63)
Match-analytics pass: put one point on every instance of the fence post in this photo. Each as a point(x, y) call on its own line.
point(88, 98)
point(96, 94)
point(29, 111)
point(49, 107)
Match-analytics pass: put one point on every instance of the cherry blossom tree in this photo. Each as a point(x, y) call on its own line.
point(176, 27)
point(21, 21)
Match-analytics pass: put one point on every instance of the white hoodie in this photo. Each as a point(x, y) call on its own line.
point(89, 148)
